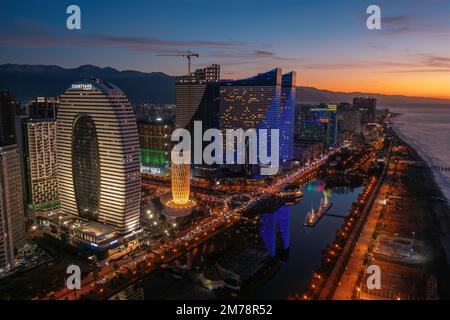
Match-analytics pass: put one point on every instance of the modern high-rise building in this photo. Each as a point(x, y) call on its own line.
point(252, 103)
point(367, 107)
point(41, 164)
point(12, 225)
point(155, 146)
point(287, 114)
point(349, 118)
point(98, 155)
point(321, 125)
point(197, 99)
point(8, 106)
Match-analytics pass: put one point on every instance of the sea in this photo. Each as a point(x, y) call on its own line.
point(426, 128)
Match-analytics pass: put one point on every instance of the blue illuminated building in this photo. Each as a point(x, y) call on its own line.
point(265, 101)
point(287, 114)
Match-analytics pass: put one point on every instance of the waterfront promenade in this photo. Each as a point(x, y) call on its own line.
point(357, 242)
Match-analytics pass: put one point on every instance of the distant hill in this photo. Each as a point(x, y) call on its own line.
point(29, 81)
point(313, 95)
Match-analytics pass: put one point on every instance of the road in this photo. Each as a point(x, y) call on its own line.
point(161, 254)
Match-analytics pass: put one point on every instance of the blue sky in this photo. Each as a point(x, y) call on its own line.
point(326, 42)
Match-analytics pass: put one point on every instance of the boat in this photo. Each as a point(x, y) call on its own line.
point(310, 218)
point(313, 217)
point(325, 205)
point(290, 193)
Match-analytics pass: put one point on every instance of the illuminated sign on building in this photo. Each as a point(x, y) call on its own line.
point(82, 86)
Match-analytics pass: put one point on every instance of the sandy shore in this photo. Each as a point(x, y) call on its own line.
point(433, 210)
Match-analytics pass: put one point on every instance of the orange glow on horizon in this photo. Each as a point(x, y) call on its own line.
point(433, 85)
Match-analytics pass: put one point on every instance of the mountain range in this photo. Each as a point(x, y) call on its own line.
point(29, 81)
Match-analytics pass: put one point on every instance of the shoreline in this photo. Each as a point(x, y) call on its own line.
point(441, 209)
point(438, 228)
point(419, 155)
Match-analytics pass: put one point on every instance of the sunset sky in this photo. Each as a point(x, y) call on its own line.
point(326, 42)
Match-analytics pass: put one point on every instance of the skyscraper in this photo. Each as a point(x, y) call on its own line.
point(8, 107)
point(367, 107)
point(252, 103)
point(287, 114)
point(12, 225)
point(41, 163)
point(98, 155)
point(197, 99)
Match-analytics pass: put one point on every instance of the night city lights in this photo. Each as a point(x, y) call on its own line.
point(231, 158)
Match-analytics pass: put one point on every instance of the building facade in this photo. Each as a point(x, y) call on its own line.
point(197, 99)
point(287, 117)
point(41, 164)
point(251, 103)
point(320, 125)
point(367, 107)
point(12, 224)
point(8, 106)
point(155, 146)
point(98, 155)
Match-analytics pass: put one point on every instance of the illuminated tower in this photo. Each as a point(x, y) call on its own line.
point(177, 203)
point(98, 155)
point(288, 88)
point(180, 184)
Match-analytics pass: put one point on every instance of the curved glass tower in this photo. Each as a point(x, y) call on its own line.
point(251, 103)
point(98, 155)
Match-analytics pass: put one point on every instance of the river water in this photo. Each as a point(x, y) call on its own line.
point(297, 249)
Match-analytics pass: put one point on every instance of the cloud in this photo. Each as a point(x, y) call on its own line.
point(396, 20)
point(402, 24)
point(140, 44)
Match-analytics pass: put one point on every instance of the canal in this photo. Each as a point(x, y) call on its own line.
point(293, 251)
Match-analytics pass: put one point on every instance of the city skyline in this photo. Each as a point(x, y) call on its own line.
point(217, 171)
point(328, 43)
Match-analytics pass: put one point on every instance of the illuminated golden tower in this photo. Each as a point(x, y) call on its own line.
point(180, 183)
point(177, 202)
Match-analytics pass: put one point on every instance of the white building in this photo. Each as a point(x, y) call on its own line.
point(98, 155)
point(12, 224)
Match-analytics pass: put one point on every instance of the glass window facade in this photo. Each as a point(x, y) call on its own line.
point(86, 167)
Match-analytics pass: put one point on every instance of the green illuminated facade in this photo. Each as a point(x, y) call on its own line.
point(155, 146)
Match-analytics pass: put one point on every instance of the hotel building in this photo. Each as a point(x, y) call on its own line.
point(98, 155)
point(251, 103)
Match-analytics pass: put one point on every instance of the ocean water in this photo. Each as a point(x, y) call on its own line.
point(427, 129)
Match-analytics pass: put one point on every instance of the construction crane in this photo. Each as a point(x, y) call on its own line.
point(187, 55)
